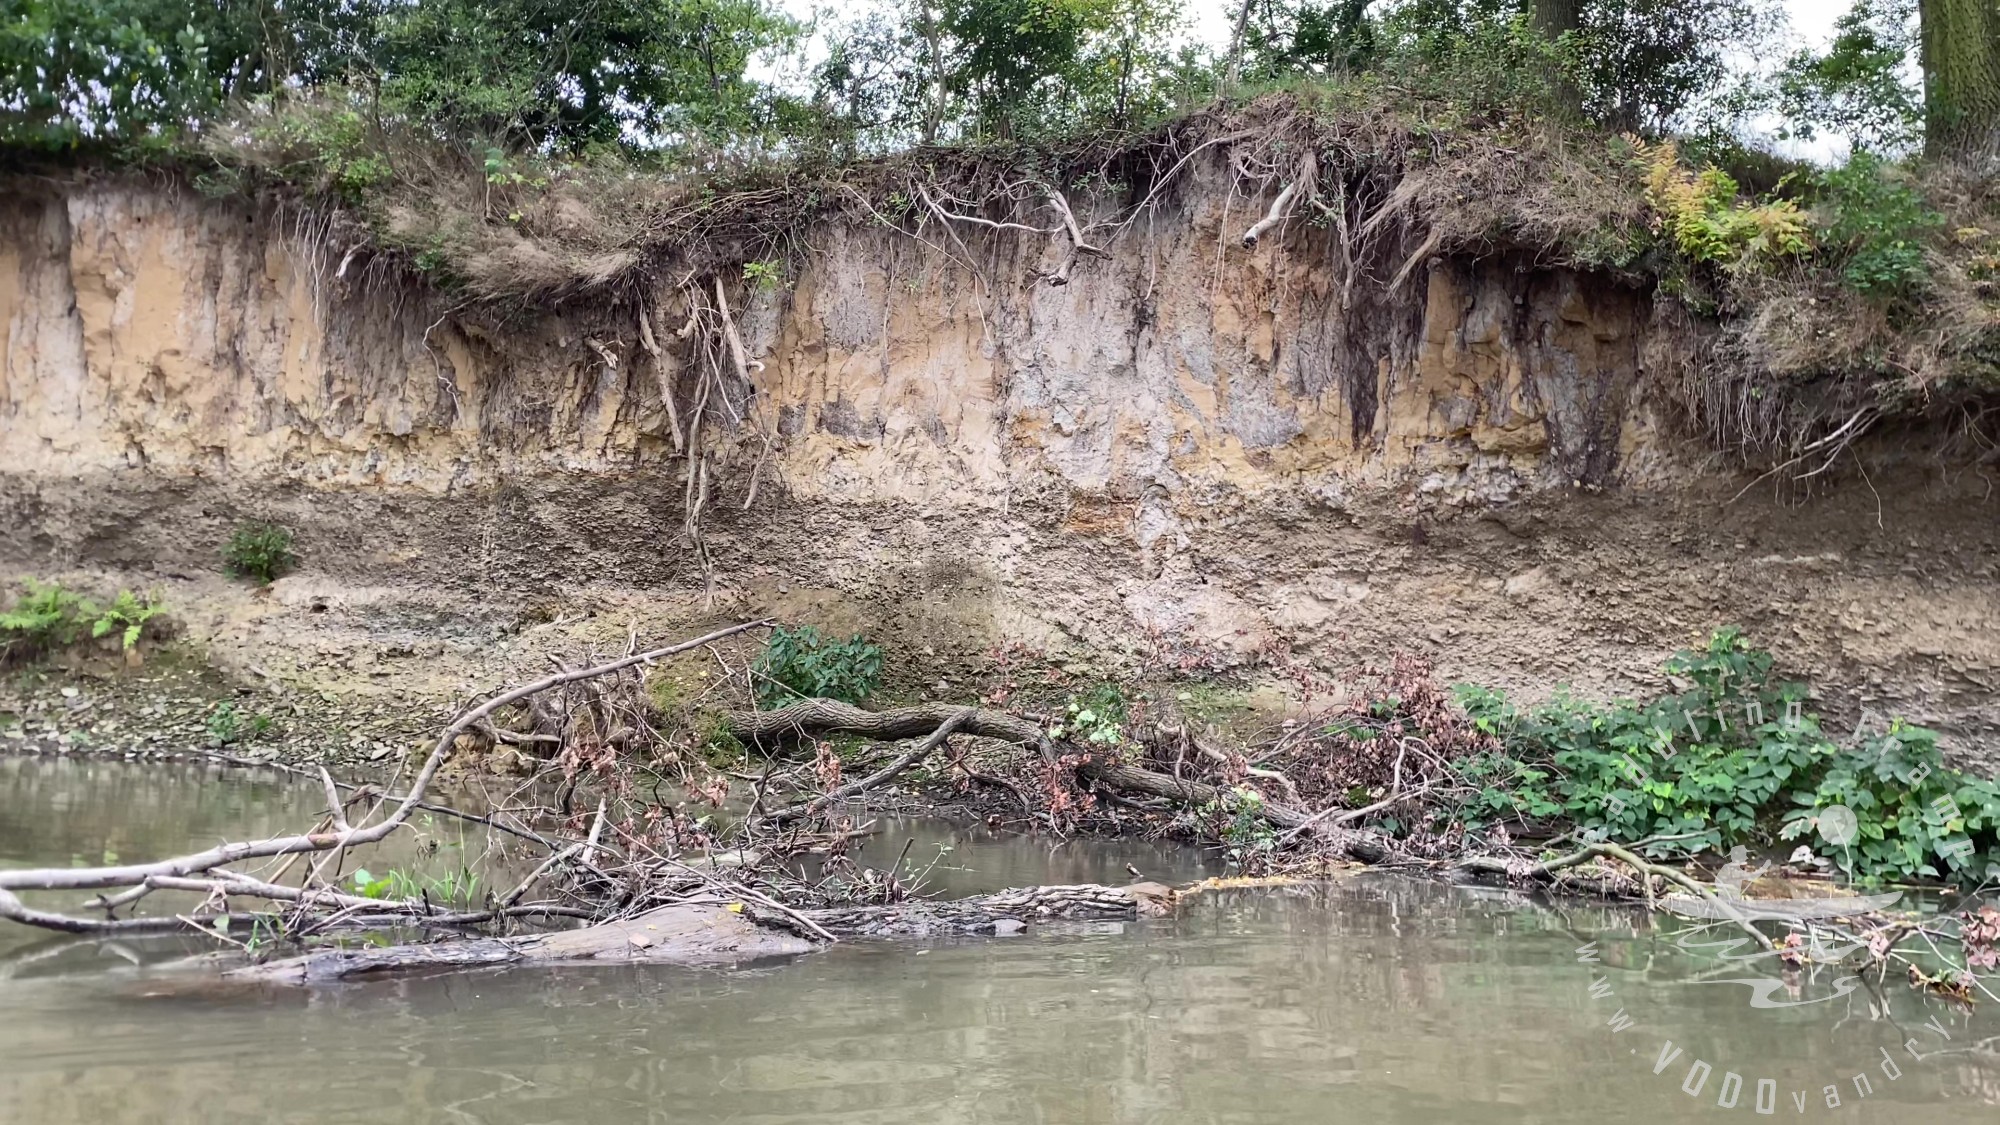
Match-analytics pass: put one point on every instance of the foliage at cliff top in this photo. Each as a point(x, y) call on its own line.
point(531, 151)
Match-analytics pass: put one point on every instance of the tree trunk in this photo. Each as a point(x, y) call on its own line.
point(1555, 17)
point(1235, 68)
point(1961, 61)
point(934, 87)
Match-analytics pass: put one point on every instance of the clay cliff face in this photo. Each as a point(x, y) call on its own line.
point(1191, 449)
point(148, 328)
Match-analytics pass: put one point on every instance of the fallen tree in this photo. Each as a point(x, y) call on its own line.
point(815, 718)
point(606, 882)
point(642, 882)
point(717, 931)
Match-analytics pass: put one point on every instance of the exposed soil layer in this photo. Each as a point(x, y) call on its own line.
point(1194, 456)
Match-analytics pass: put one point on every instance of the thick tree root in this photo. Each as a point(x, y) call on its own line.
point(816, 717)
point(812, 717)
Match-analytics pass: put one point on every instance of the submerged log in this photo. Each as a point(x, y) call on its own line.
point(685, 933)
point(714, 932)
point(1004, 912)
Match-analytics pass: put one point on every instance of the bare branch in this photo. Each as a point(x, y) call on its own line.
point(1395, 794)
point(88, 878)
point(882, 776)
point(334, 808)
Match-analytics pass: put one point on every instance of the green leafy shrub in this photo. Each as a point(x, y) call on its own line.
point(799, 663)
point(225, 724)
point(1487, 64)
point(1097, 717)
point(1914, 818)
point(1239, 819)
point(259, 550)
point(1734, 759)
point(44, 618)
point(228, 724)
point(326, 142)
point(1877, 224)
point(49, 616)
point(763, 276)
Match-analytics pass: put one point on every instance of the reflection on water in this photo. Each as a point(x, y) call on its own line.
point(1377, 1000)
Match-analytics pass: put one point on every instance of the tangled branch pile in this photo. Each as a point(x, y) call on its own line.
point(640, 844)
point(595, 732)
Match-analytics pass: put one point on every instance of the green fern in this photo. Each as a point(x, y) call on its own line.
point(45, 618)
point(128, 614)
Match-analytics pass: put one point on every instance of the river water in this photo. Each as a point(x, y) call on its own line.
point(1376, 999)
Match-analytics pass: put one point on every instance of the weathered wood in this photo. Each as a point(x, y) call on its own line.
point(718, 932)
point(689, 933)
point(1003, 912)
point(812, 717)
point(1364, 847)
point(827, 716)
point(879, 777)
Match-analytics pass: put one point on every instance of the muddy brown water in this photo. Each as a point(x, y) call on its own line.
point(1379, 999)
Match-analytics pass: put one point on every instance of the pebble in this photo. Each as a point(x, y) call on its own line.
point(137, 718)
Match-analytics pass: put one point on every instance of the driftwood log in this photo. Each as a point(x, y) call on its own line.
point(686, 933)
point(717, 932)
point(811, 717)
point(999, 913)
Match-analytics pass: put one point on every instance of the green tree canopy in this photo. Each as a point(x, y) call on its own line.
point(577, 73)
point(544, 71)
point(1857, 85)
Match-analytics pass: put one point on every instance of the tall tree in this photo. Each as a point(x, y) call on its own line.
point(1960, 49)
point(1858, 84)
point(1025, 66)
point(1315, 37)
point(1647, 64)
point(936, 94)
point(1555, 18)
point(556, 72)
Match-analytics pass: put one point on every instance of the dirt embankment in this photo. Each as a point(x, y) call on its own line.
point(1192, 452)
